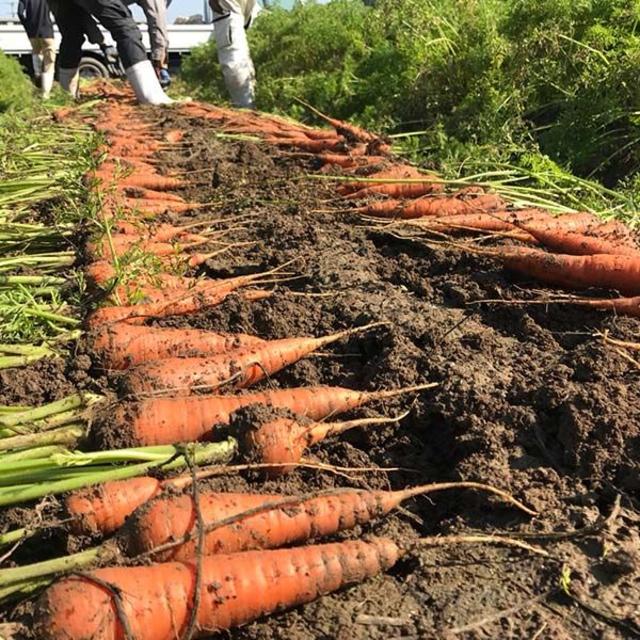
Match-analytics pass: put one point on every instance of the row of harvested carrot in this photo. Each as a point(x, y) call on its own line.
point(156, 602)
point(576, 251)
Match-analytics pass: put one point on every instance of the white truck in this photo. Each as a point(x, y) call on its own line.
point(182, 38)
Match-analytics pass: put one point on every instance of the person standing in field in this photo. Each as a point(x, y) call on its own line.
point(114, 15)
point(156, 13)
point(231, 19)
point(35, 18)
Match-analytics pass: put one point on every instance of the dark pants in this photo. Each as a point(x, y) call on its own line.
point(112, 14)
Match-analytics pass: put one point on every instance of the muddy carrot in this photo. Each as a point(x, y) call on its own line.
point(150, 194)
point(348, 162)
point(121, 345)
point(166, 526)
point(105, 507)
point(172, 304)
point(186, 419)
point(157, 601)
point(244, 367)
point(345, 128)
point(439, 206)
point(623, 306)
point(557, 239)
point(620, 272)
point(283, 440)
point(141, 180)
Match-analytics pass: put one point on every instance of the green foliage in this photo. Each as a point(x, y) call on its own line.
point(16, 90)
point(486, 82)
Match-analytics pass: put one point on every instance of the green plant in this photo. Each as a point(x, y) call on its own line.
point(16, 90)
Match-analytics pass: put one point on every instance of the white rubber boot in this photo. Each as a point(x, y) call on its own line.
point(36, 60)
point(47, 82)
point(146, 85)
point(69, 80)
point(235, 60)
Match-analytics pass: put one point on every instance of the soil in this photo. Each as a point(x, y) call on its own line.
point(529, 399)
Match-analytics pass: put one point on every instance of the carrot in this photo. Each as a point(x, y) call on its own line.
point(174, 135)
point(141, 180)
point(620, 272)
point(397, 190)
point(121, 345)
point(257, 521)
point(150, 194)
point(172, 304)
point(555, 238)
point(185, 419)
point(444, 206)
point(302, 142)
point(394, 172)
point(102, 273)
point(243, 367)
point(623, 306)
point(496, 221)
point(347, 162)
point(158, 601)
point(158, 233)
point(120, 244)
point(158, 206)
point(345, 128)
point(104, 508)
point(284, 440)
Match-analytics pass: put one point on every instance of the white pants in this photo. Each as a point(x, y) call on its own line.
point(44, 62)
point(233, 49)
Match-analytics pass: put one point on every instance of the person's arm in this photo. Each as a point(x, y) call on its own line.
point(22, 13)
point(156, 14)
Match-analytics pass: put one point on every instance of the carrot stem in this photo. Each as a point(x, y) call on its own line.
point(217, 452)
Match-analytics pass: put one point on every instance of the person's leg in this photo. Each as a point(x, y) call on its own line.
point(233, 53)
point(48, 65)
point(69, 20)
point(36, 60)
point(117, 19)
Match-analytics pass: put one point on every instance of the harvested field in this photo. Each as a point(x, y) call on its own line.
point(530, 398)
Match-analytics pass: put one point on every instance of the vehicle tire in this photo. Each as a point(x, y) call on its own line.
point(91, 68)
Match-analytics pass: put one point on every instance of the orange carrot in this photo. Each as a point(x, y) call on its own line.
point(397, 190)
point(150, 194)
point(185, 419)
point(122, 345)
point(158, 206)
point(347, 161)
point(102, 273)
point(284, 440)
point(620, 272)
point(394, 172)
point(104, 508)
point(173, 304)
point(557, 239)
point(270, 522)
point(242, 368)
point(120, 244)
point(440, 206)
point(350, 131)
point(138, 179)
point(157, 601)
point(174, 135)
point(623, 306)
point(158, 233)
point(313, 146)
